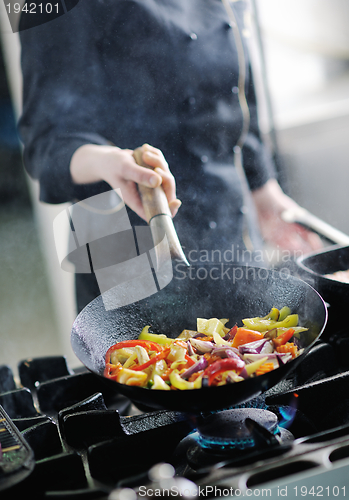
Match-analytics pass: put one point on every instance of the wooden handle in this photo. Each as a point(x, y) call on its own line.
point(154, 199)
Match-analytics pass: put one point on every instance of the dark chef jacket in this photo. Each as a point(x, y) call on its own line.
point(128, 72)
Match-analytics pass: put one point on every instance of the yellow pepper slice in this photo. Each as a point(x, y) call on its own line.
point(209, 326)
point(130, 360)
point(263, 325)
point(154, 337)
point(284, 312)
point(252, 367)
point(159, 384)
point(274, 314)
point(219, 340)
point(178, 382)
point(131, 377)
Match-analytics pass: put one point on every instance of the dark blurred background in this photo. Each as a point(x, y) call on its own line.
point(27, 324)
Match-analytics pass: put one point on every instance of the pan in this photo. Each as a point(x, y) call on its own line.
point(314, 267)
point(222, 291)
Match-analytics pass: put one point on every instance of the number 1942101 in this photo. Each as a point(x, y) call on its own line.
point(33, 8)
point(319, 491)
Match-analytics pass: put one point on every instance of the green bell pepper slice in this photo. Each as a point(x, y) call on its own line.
point(263, 325)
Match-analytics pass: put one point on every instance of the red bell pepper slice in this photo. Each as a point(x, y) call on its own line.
point(212, 377)
point(112, 371)
point(232, 332)
point(283, 338)
point(151, 361)
point(222, 366)
point(190, 361)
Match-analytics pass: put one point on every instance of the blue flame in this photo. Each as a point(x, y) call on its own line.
point(223, 444)
point(288, 414)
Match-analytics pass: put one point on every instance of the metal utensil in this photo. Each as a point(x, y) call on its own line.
point(302, 216)
point(159, 218)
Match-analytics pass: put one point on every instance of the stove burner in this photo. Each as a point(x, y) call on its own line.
point(227, 430)
point(240, 435)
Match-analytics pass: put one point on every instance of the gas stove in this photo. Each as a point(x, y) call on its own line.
point(65, 434)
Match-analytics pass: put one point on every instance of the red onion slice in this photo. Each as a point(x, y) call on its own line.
point(199, 365)
point(226, 351)
point(252, 347)
point(202, 346)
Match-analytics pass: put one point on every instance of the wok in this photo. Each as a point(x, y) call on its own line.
point(314, 266)
point(223, 291)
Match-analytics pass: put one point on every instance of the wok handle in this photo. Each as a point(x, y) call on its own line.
point(302, 216)
point(153, 199)
point(155, 204)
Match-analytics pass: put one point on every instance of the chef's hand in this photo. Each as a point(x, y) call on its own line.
point(270, 202)
point(93, 163)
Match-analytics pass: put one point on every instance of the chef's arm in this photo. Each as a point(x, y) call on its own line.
point(269, 199)
point(93, 163)
point(270, 202)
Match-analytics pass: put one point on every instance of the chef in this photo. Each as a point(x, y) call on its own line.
point(112, 75)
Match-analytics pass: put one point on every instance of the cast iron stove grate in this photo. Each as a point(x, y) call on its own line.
point(85, 444)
